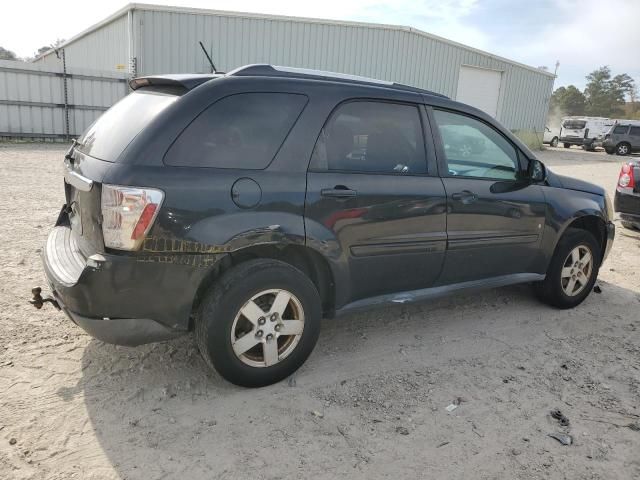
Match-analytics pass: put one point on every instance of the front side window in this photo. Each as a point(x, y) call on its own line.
point(474, 149)
point(620, 129)
point(365, 136)
point(240, 131)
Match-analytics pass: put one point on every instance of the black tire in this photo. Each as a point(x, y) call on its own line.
point(629, 225)
point(550, 290)
point(554, 142)
point(609, 150)
point(623, 149)
point(566, 145)
point(223, 302)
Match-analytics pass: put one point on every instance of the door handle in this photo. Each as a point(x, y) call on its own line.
point(339, 191)
point(465, 197)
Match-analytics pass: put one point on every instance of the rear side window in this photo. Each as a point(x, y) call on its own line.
point(110, 134)
point(635, 131)
point(364, 136)
point(620, 129)
point(242, 131)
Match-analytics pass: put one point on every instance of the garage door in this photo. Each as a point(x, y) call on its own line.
point(480, 88)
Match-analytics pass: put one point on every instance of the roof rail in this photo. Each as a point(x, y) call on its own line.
point(267, 70)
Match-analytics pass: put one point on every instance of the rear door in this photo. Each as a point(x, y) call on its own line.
point(495, 219)
point(374, 200)
point(634, 137)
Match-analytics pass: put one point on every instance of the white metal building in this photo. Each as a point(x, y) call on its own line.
point(146, 39)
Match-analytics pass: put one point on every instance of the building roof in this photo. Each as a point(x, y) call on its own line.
point(201, 11)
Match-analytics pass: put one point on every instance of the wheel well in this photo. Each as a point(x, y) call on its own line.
point(308, 261)
point(594, 225)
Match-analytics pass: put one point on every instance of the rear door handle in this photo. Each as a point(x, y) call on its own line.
point(465, 197)
point(339, 191)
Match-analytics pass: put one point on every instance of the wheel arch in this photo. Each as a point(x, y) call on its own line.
point(305, 259)
point(591, 223)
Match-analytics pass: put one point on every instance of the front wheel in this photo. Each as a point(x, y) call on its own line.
point(259, 322)
point(573, 270)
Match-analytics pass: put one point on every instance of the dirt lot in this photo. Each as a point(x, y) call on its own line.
point(369, 403)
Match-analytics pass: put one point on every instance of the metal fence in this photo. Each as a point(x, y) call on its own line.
point(47, 102)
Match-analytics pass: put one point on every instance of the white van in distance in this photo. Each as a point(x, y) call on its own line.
point(584, 131)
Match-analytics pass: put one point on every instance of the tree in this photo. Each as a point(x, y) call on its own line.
point(568, 101)
point(605, 95)
point(46, 48)
point(7, 54)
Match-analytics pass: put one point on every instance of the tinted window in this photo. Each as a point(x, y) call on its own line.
point(240, 131)
point(635, 131)
point(108, 136)
point(372, 137)
point(474, 149)
point(620, 129)
point(574, 124)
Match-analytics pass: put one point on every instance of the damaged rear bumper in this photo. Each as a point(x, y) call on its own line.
point(124, 299)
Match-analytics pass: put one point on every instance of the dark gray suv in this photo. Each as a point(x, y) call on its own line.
point(623, 139)
point(245, 207)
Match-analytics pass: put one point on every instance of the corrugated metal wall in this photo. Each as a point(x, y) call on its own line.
point(32, 98)
point(105, 49)
point(167, 41)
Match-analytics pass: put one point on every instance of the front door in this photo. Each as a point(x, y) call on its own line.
point(371, 202)
point(495, 217)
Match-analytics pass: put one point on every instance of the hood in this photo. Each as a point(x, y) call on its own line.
point(571, 183)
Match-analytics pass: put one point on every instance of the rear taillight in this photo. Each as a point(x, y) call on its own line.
point(128, 214)
point(626, 179)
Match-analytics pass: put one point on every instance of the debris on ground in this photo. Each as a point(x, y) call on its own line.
point(562, 419)
point(597, 289)
point(317, 414)
point(634, 426)
point(563, 438)
point(13, 441)
point(451, 407)
point(443, 444)
point(402, 430)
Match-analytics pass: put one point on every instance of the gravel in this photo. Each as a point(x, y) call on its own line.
point(370, 401)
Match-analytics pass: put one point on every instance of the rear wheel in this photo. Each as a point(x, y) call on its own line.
point(573, 270)
point(554, 142)
point(259, 322)
point(623, 149)
point(566, 145)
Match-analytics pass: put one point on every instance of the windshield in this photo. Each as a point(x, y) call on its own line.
point(110, 134)
point(574, 124)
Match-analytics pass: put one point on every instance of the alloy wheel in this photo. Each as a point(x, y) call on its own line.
point(267, 328)
point(576, 270)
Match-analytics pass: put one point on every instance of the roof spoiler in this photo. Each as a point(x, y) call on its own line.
point(186, 81)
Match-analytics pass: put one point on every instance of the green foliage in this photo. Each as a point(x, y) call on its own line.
point(7, 54)
point(568, 100)
point(605, 95)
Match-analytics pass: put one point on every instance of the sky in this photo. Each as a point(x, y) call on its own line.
point(581, 34)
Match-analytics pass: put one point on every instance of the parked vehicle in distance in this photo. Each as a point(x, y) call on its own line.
point(623, 138)
point(584, 131)
point(551, 136)
point(626, 200)
point(245, 207)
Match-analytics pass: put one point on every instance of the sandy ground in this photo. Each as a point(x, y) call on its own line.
point(370, 401)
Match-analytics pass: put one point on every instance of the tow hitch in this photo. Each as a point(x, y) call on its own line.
point(38, 301)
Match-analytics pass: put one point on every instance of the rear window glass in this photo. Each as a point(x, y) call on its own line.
point(240, 131)
point(574, 124)
point(635, 131)
point(620, 129)
point(110, 134)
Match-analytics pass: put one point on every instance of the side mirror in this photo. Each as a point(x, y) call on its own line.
point(537, 172)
